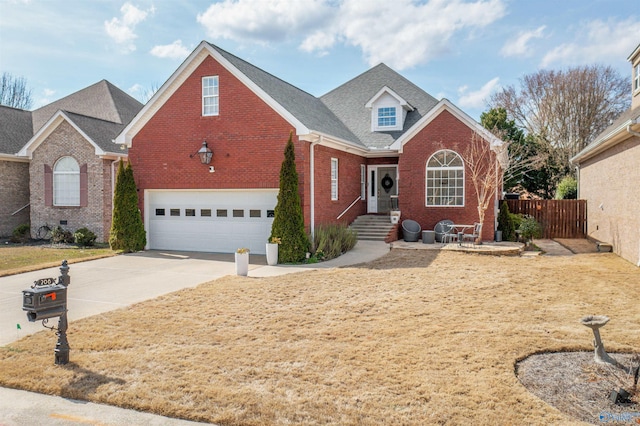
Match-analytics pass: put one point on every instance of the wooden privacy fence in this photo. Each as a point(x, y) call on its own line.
point(559, 218)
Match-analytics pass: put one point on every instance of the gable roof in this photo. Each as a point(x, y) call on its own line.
point(101, 100)
point(304, 111)
point(612, 135)
point(15, 129)
point(348, 103)
point(446, 105)
point(98, 112)
point(98, 133)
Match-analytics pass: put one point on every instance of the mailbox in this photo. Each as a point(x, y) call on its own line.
point(43, 302)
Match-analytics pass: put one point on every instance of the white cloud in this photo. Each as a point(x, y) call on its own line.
point(402, 33)
point(174, 50)
point(49, 92)
point(477, 99)
point(597, 41)
point(519, 46)
point(263, 21)
point(121, 30)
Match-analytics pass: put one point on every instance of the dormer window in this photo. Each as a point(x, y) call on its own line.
point(636, 78)
point(387, 117)
point(388, 111)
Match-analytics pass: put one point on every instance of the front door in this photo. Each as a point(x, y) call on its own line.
point(382, 185)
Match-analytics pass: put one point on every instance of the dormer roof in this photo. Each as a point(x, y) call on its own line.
point(385, 90)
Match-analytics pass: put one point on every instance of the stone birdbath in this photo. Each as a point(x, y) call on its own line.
point(595, 322)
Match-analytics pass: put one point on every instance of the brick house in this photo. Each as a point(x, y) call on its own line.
point(373, 138)
point(62, 160)
point(608, 177)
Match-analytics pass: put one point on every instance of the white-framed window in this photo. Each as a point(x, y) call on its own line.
point(445, 179)
point(363, 182)
point(386, 117)
point(636, 78)
point(210, 104)
point(66, 182)
point(334, 179)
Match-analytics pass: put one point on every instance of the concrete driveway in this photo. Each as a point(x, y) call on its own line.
point(103, 285)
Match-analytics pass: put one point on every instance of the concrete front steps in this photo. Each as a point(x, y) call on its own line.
point(372, 227)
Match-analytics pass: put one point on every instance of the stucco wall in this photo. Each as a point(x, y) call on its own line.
point(609, 183)
point(63, 141)
point(14, 194)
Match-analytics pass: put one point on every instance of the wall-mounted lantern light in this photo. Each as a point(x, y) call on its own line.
point(204, 153)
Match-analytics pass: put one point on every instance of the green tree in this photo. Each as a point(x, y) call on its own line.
point(127, 230)
point(529, 162)
point(567, 189)
point(288, 221)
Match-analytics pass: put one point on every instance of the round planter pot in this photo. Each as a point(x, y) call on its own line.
point(272, 254)
point(242, 264)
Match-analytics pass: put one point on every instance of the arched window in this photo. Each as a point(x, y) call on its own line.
point(66, 182)
point(445, 179)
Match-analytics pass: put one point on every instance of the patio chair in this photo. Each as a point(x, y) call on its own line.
point(443, 230)
point(477, 229)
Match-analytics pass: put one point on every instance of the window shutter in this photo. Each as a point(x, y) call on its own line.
point(84, 192)
point(48, 186)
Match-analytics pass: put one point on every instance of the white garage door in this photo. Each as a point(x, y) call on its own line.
point(211, 221)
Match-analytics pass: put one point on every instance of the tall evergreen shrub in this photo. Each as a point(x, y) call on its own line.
point(127, 230)
point(288, 221)
point(505, 223)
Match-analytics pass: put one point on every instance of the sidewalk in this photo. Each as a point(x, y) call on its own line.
point(106, 284)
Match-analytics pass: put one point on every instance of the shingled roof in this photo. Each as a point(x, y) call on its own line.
point(101, 132)
point(311, 111)
point(102, 100)
point(15, 129)
point(348, 103)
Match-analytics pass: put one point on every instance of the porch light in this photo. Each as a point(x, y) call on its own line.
point(204, 153)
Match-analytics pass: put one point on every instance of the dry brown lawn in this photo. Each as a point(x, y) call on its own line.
point(417, 337)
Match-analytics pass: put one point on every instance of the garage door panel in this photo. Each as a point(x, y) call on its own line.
point(208, 229)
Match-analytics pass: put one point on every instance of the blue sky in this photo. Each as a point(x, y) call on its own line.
point(461, 50)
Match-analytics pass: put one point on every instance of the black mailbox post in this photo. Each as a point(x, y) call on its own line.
point(47, 298)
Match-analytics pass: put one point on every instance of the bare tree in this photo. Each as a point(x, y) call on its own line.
point(14, 92)
point(567, 109)
point(483, 166)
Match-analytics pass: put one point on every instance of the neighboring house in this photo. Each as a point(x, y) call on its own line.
point(15, 131)
point(71, 158)
point(373, 138)
point(609, 174)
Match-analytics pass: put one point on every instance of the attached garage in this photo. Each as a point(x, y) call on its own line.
point(217, 221)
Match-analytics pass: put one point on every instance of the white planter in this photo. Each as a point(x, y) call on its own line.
point(272, 254)
point(242, 264)
point(395, 216)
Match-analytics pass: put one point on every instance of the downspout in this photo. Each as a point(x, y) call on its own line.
point(312, 191)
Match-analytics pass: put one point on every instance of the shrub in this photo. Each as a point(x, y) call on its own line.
point(61, 236)
point(84, 237)
point(567, 189)
point(288, 221)
point(530, 228)
point(331, 241)
point(127, 230)
point(506, 223)
point(21, 234)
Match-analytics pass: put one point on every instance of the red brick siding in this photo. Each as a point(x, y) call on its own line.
point(327, 210)
point(444, 132)
point(247, 138)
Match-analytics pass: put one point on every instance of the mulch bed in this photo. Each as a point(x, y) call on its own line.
point(574, 384)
